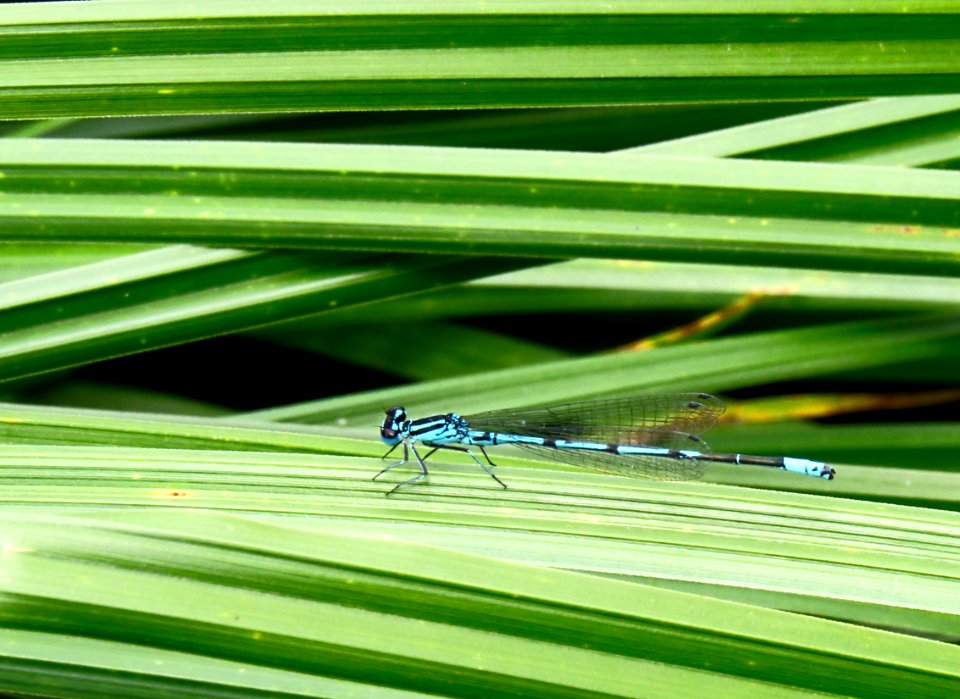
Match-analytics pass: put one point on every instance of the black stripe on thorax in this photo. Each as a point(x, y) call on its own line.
point(427, 424)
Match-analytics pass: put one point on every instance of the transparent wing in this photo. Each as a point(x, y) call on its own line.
point(638, 420)
point(636, 466)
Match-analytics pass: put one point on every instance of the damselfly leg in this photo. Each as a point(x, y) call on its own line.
point(406, 457)
point(474, 457)
point(423, 467)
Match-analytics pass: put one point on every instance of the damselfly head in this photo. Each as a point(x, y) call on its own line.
point(391, 427)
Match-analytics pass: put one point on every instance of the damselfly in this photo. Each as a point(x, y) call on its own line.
point(643, 436)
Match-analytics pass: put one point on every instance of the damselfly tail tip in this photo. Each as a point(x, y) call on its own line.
point(806, 467)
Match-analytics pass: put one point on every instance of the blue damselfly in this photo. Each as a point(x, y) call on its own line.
point(643, 436)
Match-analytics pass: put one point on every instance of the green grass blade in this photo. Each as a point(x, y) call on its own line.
point(119, 271)
point(716, 364)
point(127, 58)
point(806, 136)
point(119, 397)
point(168, 296)
point(503, 202)
point(498, 627)
point(416, 350)
point(62, 665)
point(589, 129)
point(21, 260)
point(587, 285)
point(29, 424)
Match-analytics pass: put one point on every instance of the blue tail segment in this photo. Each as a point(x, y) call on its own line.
point(643, 436)
point(806, 467)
